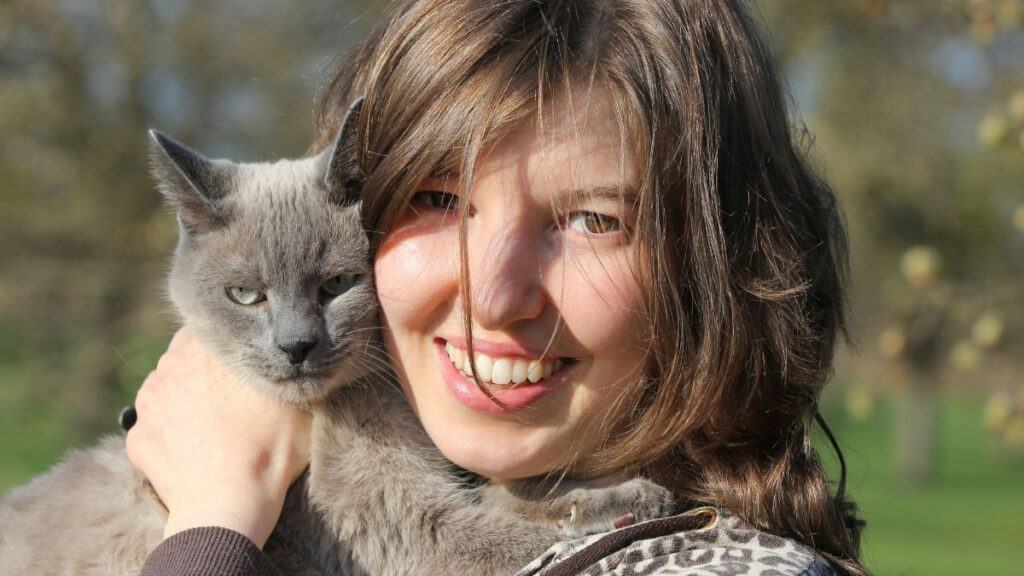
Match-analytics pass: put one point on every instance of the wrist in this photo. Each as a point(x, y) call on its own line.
point(253, 516)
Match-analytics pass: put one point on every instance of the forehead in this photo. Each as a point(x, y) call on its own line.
point(284, 225)
point(574, 143)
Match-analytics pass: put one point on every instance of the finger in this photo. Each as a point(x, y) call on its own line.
point(146, 391)
point(164, 359)
point(305, 437)
point(181, 337)
point(133, 446)
point(625, 520)
point(186, 350)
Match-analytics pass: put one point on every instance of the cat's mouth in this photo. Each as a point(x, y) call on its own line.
point(311, 376)
point(300, 375)
point(297, 375)
point(303, 386)
point(311, 380)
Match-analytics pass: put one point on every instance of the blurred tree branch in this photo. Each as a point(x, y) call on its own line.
point(83, 237)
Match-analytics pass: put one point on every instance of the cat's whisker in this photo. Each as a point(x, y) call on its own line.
point(380, 354)
point(365, 329)
point(372, 369)
point(376, 351)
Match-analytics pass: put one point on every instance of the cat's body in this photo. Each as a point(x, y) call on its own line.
point(273, 273)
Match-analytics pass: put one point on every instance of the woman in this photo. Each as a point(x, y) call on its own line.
point(608, 181)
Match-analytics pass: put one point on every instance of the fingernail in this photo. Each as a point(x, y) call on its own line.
point(625, 520)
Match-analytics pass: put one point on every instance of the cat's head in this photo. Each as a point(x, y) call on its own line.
point(272, 269)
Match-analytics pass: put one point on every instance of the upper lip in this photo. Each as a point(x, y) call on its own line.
point(492, 348)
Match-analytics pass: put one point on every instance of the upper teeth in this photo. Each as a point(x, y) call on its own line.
point(502, 370)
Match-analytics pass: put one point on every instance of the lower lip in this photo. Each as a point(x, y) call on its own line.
point(511, 399)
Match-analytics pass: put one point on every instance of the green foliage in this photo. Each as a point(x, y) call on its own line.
point(83, 236)
point(918, 112)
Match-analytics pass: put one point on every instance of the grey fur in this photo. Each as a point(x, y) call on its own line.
point(378, 497)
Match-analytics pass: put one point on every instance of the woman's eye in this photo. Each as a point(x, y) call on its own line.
point(436, 199)
point(245, 296)
point(338, 285)
point(593, 223)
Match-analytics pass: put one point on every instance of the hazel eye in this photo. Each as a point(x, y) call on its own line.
point(593, 223)
point(245, 296)
point(338, 285)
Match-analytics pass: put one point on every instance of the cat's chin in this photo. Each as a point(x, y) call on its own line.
point(308, 387)
point(300, 390)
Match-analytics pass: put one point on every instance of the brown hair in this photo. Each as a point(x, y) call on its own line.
point(743, 248)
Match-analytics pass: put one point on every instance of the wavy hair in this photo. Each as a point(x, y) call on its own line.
point(742, 246)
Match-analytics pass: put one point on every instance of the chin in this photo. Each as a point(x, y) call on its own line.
point(495, 453)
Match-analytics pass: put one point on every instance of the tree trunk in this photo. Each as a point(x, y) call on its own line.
point(915, 429)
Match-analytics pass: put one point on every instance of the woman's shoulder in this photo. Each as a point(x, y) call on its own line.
point(702, 541)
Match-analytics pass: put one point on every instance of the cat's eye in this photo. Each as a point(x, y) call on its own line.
point(245, 296)
point(593, 223)
point(338, 285)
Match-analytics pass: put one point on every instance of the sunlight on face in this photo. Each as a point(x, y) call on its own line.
point(546, 240)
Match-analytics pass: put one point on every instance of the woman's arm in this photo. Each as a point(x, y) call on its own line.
point(218, 453)
point(208, 551)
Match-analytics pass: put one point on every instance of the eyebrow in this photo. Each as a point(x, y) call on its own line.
point(449, 169)
point(626, 193)
point(445, 178)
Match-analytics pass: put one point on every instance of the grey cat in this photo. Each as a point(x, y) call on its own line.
point(272, 272)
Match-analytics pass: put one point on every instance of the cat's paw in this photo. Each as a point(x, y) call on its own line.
point(583, 511)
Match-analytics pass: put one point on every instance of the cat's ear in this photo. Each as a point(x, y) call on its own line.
point(191, 183)
point(343, 178)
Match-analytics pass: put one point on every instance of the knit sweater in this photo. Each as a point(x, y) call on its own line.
point(704, 541)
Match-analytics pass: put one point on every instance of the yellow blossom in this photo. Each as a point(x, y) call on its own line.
point(993, 130)
point(892, 342)
point(860, 403)
point(965, 355)
point(920, 266)
point(987, 330)
point(998, 411)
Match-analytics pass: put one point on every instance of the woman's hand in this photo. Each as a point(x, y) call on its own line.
point(217, 451)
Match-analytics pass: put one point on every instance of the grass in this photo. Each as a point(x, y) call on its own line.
point(968, 520)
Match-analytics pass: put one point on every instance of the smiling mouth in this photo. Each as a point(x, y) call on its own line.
point(505, 370)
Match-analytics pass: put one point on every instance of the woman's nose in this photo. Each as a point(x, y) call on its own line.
point(505, 274)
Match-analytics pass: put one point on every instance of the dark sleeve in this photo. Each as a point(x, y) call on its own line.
point(208, 551)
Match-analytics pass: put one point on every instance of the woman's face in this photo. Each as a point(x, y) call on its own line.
point(549, 260)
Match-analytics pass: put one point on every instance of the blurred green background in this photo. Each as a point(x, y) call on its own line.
point(913, 109)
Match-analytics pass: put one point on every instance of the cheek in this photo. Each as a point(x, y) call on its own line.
point(600, 301)
point(414, 275)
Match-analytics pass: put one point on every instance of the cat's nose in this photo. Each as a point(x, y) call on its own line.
point(298, 350)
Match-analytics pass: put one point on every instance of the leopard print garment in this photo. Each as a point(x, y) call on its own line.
point(721, 546)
